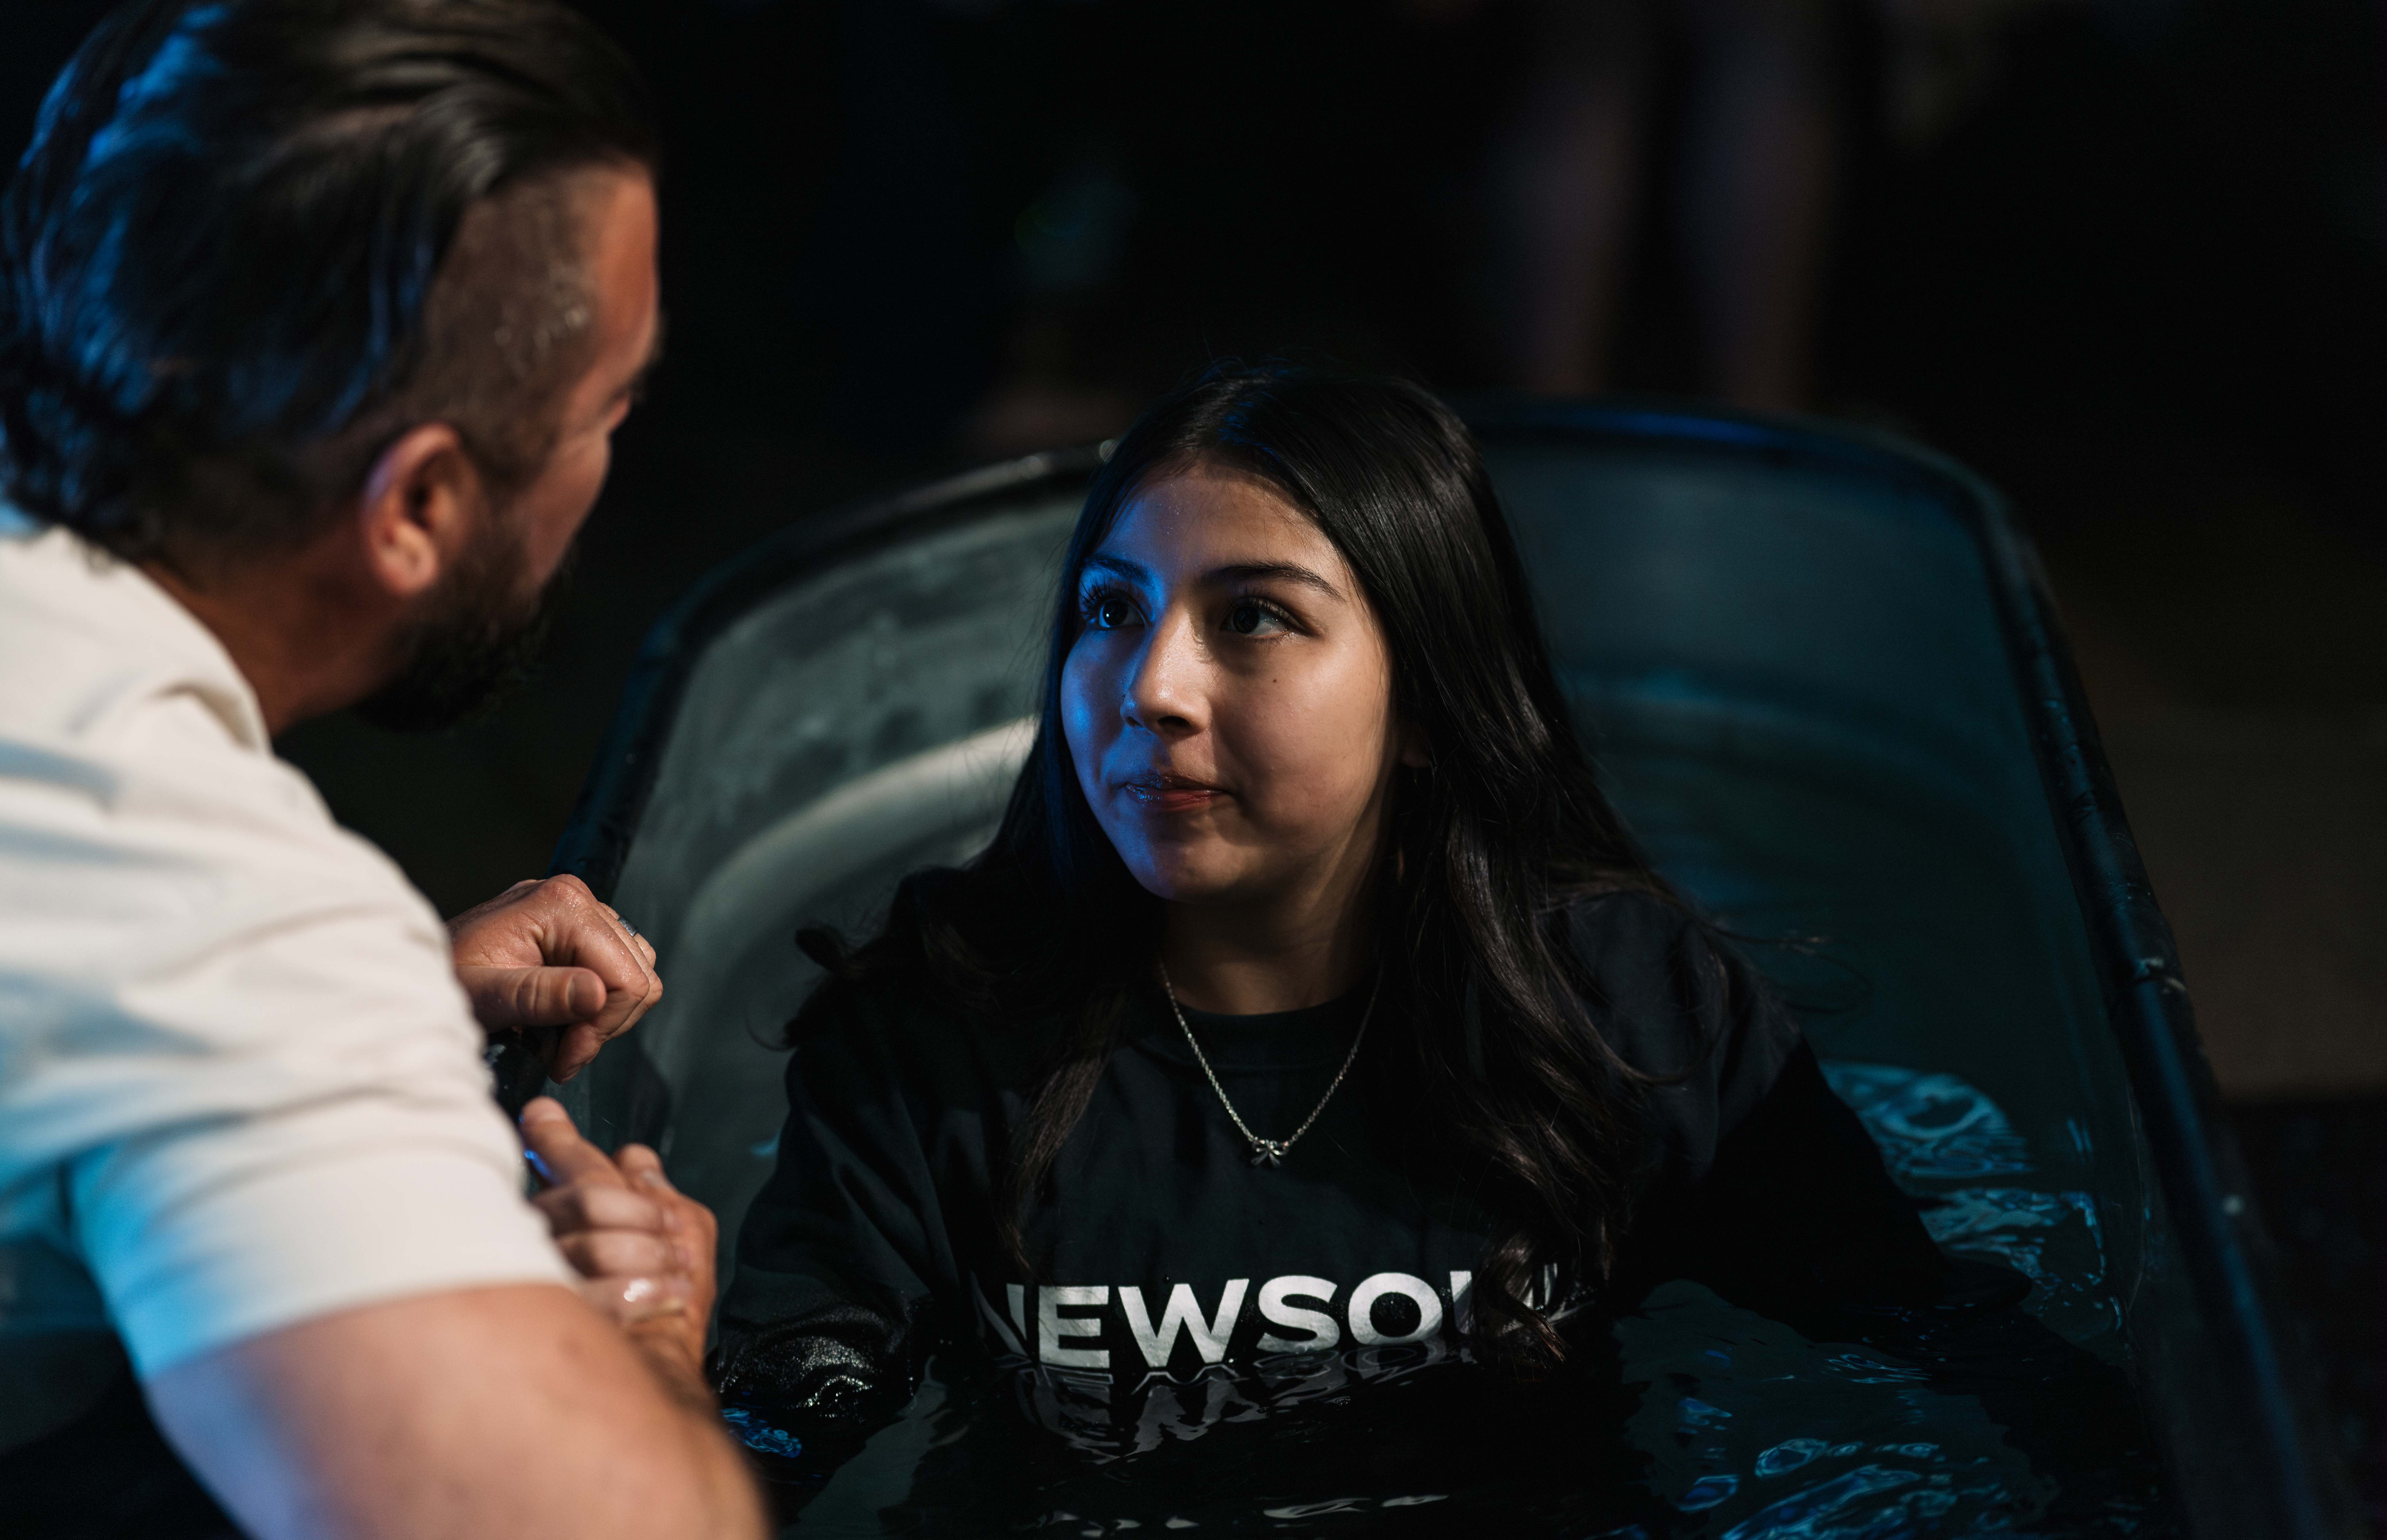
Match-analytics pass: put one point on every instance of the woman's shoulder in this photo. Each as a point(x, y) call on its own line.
point(1640, 946)
point(1623, 924)
point(846, 1005)
point(884, 1012)
point(882, 1042)
point(1671, 993)
point(890, 1017)
point(904, 976)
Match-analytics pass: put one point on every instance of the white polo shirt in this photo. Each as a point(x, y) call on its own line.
point(239, 1084)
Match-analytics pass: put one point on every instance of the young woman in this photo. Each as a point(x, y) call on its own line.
point(1311, 1002)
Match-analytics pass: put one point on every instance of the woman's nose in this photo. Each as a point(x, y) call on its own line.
point(1163, 693)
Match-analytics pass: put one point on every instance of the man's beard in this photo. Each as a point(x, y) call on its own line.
point(474, 643)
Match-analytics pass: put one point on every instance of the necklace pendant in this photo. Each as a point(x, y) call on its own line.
point(1268, 1151)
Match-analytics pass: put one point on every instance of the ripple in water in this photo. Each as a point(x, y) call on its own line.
point(1930, 1126)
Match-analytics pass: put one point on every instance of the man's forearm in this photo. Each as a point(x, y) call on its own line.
point(677, 1366)
point(675, 1355)
point(728, 1480)
point(512, 1412)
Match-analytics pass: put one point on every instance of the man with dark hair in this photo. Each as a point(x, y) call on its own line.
point(316, 317)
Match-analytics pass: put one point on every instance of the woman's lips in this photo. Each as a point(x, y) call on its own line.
point(1171, 793)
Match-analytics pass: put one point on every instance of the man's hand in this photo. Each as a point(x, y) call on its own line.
point(644, 1250)
point(548, 955)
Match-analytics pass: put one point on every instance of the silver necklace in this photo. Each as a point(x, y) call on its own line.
point(1270, 1152)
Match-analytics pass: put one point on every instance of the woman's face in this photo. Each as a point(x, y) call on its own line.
point(1228, 702)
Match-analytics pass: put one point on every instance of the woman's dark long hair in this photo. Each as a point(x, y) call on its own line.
point(1488, 846)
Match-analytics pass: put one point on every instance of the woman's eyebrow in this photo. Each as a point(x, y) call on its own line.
point(1118, 566)
point(1281, 572)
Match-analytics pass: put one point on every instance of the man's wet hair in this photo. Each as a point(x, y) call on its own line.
point(255, 241)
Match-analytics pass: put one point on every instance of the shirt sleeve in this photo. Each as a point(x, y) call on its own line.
point(823, 1326)
point(1799, 1219)
point(296, 1180)
point(236, 1071)
point(1764, 1185)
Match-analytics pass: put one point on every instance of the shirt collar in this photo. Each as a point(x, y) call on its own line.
point(104, 591)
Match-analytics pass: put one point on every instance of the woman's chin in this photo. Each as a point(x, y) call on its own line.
point(1184, 881)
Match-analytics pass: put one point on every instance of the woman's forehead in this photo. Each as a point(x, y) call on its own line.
point(1203, 520)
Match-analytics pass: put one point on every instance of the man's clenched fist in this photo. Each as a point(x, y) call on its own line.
point(547, 959)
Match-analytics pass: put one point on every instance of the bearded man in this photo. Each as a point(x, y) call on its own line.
point(316, 317)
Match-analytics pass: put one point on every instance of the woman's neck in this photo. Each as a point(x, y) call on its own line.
point(1239, 960)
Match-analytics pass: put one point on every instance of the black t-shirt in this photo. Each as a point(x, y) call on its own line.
point(1162, 1249)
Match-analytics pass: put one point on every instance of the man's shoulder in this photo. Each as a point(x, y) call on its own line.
point(174, 894)
point(90, 645)
point(132, 758)
point(165, 811)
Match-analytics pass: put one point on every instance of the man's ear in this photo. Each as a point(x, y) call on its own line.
point(416, 513)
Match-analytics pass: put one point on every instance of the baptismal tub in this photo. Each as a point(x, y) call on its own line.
point(1828, 691)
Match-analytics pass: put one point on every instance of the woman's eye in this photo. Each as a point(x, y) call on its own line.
point(1250, 618)
point(1108, 612)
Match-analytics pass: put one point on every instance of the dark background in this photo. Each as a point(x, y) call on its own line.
point(2138, 284)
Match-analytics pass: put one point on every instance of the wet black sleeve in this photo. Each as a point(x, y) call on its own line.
point(1761, 1183)
point(1767, 1189)
point(1798, 1218)
point(824, 1328)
